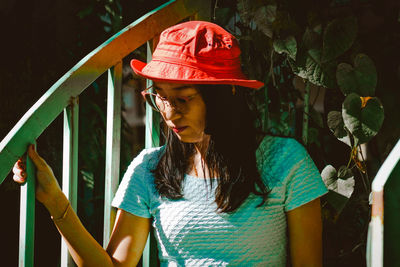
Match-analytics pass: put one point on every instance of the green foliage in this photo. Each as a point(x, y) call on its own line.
point(329, 175)
point(309, 64)
point(264, 17)
point(363, 120)
point(288, 46)
point(339, 36)
point(247, 9)
point(340, 185)
point(316, 40)
point(360, 79)
point(316, 60)
point(344, 173)
point(336, 125)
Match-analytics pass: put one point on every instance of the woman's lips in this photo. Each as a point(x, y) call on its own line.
point(179, 129)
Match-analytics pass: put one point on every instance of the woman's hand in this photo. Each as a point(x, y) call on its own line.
point(47, 188)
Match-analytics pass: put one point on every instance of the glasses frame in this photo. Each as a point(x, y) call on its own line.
point(166, 102)
point(145, 92)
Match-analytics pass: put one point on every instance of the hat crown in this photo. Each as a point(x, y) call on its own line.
point(199, 41)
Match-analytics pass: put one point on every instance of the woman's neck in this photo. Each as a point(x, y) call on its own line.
point(199, 166)
point(201, 147)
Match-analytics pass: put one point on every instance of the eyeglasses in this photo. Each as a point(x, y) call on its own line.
point(159, 103)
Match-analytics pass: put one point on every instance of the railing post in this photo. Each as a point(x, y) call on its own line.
point(113, 144)
point(27, 218)
point(70, 166)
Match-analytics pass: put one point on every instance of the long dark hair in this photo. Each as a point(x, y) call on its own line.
point(230, 153)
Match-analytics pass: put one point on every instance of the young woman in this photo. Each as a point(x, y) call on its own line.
point(212, 194)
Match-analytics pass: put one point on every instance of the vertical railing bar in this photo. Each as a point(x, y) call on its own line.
point(70, 166)
point(27, 218)
point(113, 145)
point(152, 139)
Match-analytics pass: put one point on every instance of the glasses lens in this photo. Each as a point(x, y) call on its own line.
point(151, 100)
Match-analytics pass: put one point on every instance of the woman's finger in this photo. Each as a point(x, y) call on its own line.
point(39, 162)
point(19, 172)
point(21, 164)
point(19, 179)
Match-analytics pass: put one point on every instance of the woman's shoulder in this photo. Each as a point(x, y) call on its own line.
point(277, 155)
point(277, 146)
point(147, 158)
point(136, 189)
point(140, 169)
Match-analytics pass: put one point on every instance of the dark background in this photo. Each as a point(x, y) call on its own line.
point(42, 40)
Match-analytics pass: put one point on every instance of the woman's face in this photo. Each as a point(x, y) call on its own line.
point(183, 110)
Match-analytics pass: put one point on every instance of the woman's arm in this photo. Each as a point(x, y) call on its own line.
point(83, 247)
point(128, 239)
point(124, 249)
point(129, 234)
point(305, 234)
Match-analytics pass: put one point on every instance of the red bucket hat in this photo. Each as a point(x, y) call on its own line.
point(195, 52)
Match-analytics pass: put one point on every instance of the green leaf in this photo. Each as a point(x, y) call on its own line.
point(288, 46)
point(308, 66)
point(339, 190)
point(345, 187)
point(264, 17)
point(363, 120)
point(336, 125)
point(339, 36)
point(244, 11)
point(345, 173)
point(270, 12)
point(247, 9)
point(361, 79)
point(329, 176)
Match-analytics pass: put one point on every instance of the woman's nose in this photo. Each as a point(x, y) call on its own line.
point(171, 112)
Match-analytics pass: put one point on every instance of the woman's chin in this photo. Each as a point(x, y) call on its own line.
point(189, 138)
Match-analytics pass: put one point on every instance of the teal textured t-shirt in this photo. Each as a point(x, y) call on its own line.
point(190, 232)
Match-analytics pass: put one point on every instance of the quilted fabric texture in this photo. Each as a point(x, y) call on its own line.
point(190, 232)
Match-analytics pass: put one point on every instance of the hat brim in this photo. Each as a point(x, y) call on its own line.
point(137, 66)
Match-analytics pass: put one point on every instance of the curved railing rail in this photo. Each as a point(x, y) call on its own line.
point(52, 103)
point(375, 244)
point(64, 94)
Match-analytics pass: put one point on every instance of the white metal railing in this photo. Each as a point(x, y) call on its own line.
point(376, 226)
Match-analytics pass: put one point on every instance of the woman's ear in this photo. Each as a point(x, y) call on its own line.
point(233, 90)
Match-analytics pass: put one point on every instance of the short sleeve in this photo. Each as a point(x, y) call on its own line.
point(304, 182)
point(133, 194)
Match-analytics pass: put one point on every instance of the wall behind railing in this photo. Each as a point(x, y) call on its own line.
point(42, 42)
